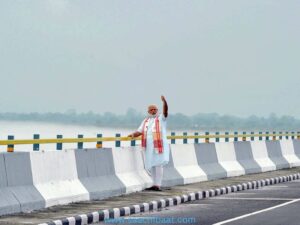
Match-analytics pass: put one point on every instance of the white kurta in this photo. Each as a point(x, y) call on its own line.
point(151, 157)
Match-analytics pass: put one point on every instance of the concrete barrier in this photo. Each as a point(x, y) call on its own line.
point(260, 155)
point(171, 177)
point(129, 168)
point(275, 154)
point(288, 152)
point(245, 157)
point(37, 180)
point(208, 161)
point(227, 159)
point(55, 177)
point(185, 162)
point(20, 181)
point(96, 171)
point(8, 202)
point(296, 145)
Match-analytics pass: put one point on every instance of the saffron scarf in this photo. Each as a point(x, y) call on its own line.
point(156, 133)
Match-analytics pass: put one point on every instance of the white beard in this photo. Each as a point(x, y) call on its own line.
point(151, 116)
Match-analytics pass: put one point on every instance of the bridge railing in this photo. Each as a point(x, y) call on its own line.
point(207, 137)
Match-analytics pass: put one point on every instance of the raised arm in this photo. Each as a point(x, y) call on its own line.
point(165, 106)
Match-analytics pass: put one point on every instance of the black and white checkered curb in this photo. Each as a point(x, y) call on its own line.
point(162, 203)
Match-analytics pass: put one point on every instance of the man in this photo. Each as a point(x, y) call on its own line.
point(154, 142)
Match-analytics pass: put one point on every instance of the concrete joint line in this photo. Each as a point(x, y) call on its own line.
point(167, 202)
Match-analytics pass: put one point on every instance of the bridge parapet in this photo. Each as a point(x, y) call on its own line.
point(195, 138)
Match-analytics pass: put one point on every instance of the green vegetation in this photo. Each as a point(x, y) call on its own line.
point(132, 119)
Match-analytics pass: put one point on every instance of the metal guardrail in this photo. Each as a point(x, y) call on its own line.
point(59, 140)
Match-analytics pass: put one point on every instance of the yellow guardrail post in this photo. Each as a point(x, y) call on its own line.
point(206, 138)
point(244, 136)
point(217, 138)
point(132, 142)
point(10, 148)
point(172, 140)
point(287, 136)
point(267, 135)
point(184, 139)
point(99, 143)
point(280, 135)
point(118, 143)
point(226, 138)
point(36, 147)
point(59, 146)
point(80, 144)
point(252, 136)
point(274, 135)
point(236, 136)
point(196, 140)
point(260, 136)
point(293, 135)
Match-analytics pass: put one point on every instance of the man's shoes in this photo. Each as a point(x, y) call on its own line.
point(153, 188)
point(150, 189)
point(156, 188)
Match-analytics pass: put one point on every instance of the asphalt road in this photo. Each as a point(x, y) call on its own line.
point(203, 206)
point(275, 205)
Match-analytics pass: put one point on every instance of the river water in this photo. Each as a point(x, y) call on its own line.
point(26, 130)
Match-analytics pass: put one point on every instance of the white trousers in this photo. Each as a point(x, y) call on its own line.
point(157, 175)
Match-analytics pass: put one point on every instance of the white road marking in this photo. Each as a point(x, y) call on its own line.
point(257, 212)
point(244, 193)
point(263, 199)
point(192, 205)
point(273, 187)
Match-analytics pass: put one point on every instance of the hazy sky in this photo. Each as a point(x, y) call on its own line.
point(231, 57)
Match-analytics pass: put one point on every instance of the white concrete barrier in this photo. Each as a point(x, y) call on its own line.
point(275, 154)
point(260, 155)
point(288, 152)
point(227, 159)
point(37, 180)
point(55, 176)
point(245, 157)
point(171, 176)
point(20, 181)
point(208, 161)
point(185, 162)
point(96, 171)
point(129, 168)
point(8, 202)
point(296, 144)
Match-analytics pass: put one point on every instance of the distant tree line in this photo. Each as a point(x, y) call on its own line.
point(132, 119)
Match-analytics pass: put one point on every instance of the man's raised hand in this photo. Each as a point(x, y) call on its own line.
point(165, 106)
